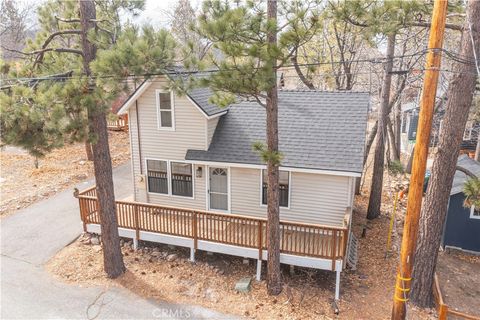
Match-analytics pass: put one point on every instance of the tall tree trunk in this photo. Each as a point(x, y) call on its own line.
point(460, 96)
point(392, 140)
point(274, 281)
point(371, 138)
point(379, 158)
point(88, 151)
point(112, 255)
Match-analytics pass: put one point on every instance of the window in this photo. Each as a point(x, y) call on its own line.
point(157, 176)
point(284, 185)
point(474, 213)
point(404, 123)
point(165, 110)
point(182, 180)
point(467, 134)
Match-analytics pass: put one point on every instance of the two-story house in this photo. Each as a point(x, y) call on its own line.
point(194, 167)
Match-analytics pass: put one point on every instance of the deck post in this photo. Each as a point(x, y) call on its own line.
point(259, 270)
point(137, 229)
point(192, 254)
point(338, 270)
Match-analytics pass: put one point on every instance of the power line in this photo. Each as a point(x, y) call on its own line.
point(376, 60)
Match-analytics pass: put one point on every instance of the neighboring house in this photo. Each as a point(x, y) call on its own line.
point(410, 113)
point(462, 225)
point(409, 125)
point(470, 137)
point(196, 160)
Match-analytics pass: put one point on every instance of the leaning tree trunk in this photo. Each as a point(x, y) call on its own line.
point(112, 254)
point(274, 281)
point(379, 157)
point(460, 93)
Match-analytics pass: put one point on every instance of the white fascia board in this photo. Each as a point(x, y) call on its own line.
point(203, 112)
point(262, 166)
point(127, 104)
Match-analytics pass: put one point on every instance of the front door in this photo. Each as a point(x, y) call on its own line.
point(218, 190)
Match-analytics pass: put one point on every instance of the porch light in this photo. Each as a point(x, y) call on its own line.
point(198, 172)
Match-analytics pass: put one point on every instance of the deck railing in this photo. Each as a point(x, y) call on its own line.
point(119, 124)
point(443, 309)
point(295, 238)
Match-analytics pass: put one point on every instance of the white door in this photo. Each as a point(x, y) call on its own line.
point(218, 188)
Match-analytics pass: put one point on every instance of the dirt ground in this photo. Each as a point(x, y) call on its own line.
point(459, 277)
point(21, 184)
point(308, 294)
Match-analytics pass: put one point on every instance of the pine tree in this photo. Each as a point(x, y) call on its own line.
point(386, 19)
point(246, 35)
point(73, 107)
point(460, 95)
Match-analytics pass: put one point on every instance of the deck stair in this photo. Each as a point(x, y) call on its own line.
point(352, 254)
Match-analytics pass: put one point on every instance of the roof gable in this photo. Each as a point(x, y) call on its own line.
point(198, 96)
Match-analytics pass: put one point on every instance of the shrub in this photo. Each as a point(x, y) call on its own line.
point(395, 167)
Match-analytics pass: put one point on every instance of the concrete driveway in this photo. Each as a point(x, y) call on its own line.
point(30, 237)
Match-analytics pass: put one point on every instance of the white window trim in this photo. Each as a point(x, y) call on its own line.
point(289, 189)
point(169, 179)
point(472, 216)
point(207, 189)
point(467, 134)
point(159, 114)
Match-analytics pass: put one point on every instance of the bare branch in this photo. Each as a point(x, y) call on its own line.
point(67, 20)
point(427, 25)
point(41, 52)
point(469, 173)
point(302, 77)
point(260, 102)
point(68, 50)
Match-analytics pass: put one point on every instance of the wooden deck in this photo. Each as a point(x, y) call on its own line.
point(306, 240)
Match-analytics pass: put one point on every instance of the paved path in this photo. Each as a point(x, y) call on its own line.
point(30, 237)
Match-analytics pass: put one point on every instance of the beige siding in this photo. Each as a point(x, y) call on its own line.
point(211, 126)
point(190, 133)
point(314, 198)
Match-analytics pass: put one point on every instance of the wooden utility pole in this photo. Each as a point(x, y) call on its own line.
point(414, 205)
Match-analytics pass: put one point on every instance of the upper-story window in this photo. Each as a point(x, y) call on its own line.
point(284, 186)
point(165, 110)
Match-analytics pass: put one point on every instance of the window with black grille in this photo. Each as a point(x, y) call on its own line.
point(182, 180)
point(157, 176)
point(284, 185)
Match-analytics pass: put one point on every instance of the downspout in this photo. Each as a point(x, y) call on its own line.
point(140, 148)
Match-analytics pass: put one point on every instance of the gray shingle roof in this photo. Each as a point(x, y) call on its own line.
point(317, 130)
point(460, 178)
point(200, 96)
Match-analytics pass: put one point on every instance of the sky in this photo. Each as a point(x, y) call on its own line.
point(154, 12)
